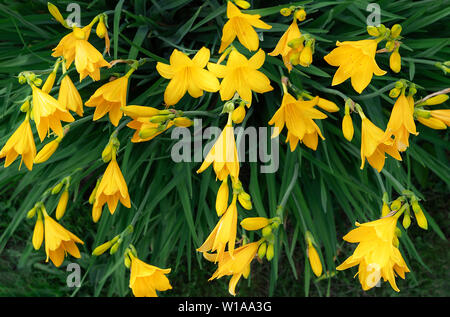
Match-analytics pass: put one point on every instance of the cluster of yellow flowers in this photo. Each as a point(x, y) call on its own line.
point(377, 252)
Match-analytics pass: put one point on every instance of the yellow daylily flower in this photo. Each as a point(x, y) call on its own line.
point(59, 241)
point(69, 97)
point(21, 143)
point(146, 279)
point(236, 264)
point(241, 75)
point(284, 49)
point(401, 122)
point(241, 25)
point(224, 233)
point(298, 116)
point(48, 113)
point(187, 75)
point(374, 145)
point(223, 155)
point(111, 190)
point(356, 60)
point(109, 98)
point(376, 254)
point(75, 46)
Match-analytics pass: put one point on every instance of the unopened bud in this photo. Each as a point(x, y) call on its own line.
point(300, 15)
point(372, 30)
point(266, 231)
point(183, 122)
point(262, 250)
point(115, 247)
point(57, 188)
point(102, 248)
point(396, 30)
point(436, 100)
point(270, 252)
point(285, 12)
point(242, 4)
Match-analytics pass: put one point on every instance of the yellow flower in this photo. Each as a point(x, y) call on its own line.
point(305, 58)
point(374, 145)
point(21, 143)
point(187, 75)
point(223, 155)
point(298, 116)
point(401, 123)
point(109, 98)
point(376, 255)
point(236, 264)
point(111, 189)
point(75, 46)
point(224, 233)
point(432, 123)
point(48, 113)
point(241, 75)
point(146, 279)
point(69, 96)
point(59, 241)
point(356, 60)
point(284, 49)
point(241, 25)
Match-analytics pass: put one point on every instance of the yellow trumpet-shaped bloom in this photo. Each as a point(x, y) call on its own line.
point(21, 143)
point(224, 233)
point(109, 98)
point(375, 254)
point(284, 49)
point(401, 123)
point(241, 75)
point(75, 46)
point(59, 241)
point(48, 113)
point(111, 190)
point(223, 155)
point(241, 25)
point(187, 75)
point(69, 97)
point(236, 264)
point(374, 145)
point(298, 116)
point(146, 279)
point(356, 60)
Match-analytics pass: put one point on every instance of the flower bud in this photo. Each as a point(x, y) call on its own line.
point(372, 30)
point(436, 100)
point(270, 252)
point(31, 213)
point(396, 204)
point(55, 13)
point(418, 213)
point(115, 247)
point(266, 231)
point(255, 223)
point(62, 204)
point(300, 15)
point(127, 261)
point(49, 82)
point(262, 250)
point(140, 111)
point(238, 114)
point(102, 248)
point(327, 105)
point(395, 92)
point(37, 82)
point(305, 58)
point(395, 61)
point(183, 122)
point(286, 12)
point(148, 132)
point(25, 106)
point(242, 4)
point(47, 151)
point(385, 210)
point(101, 29)
point(347, 127)
point(245, 200)
point(432, 123)
point(38, 233)
point(57, 188)
point(222, 198)
point(396, 30)
point(390, 45)
point(96, 212)
point(406, 218)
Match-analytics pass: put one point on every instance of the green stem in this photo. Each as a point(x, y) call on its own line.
point(280, 208)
